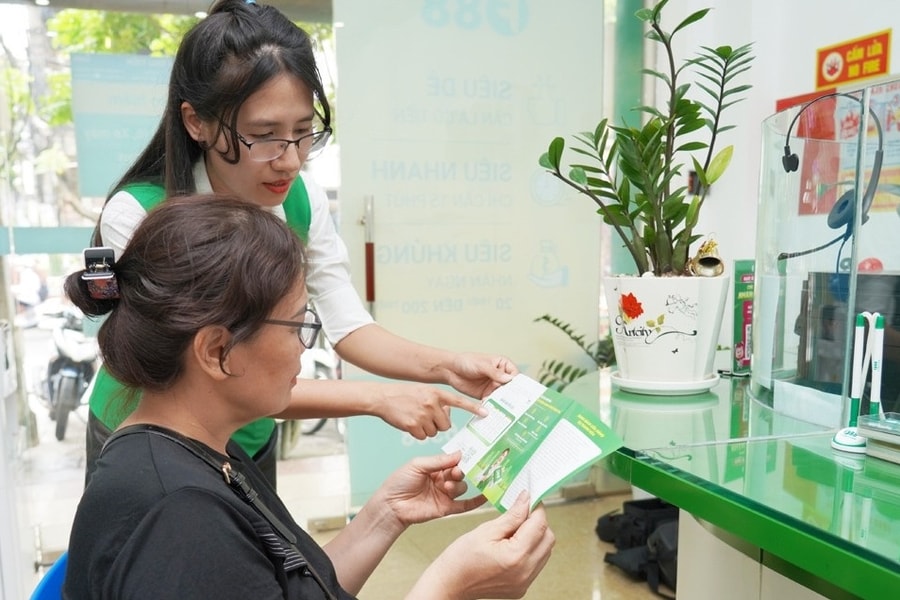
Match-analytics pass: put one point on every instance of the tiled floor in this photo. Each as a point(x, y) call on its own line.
point(313, 480)
point(575, 571)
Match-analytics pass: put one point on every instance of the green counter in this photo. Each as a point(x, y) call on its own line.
point(826, 519)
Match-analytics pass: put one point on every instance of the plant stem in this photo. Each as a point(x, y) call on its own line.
point(633, 243)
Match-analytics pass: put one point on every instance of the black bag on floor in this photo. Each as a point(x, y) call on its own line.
point(638, 520)
point(662, 564)
point(646, 535)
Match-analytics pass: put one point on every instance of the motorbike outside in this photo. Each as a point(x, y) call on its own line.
point(70, 368)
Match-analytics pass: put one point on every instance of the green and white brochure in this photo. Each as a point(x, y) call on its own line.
point(532, 438)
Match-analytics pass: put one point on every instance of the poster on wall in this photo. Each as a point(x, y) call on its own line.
point(855, 60)
point(468, 238)
point(117, 102)
point(882, 133)
point(826, 132)
point(814, 128)
point(444, 111)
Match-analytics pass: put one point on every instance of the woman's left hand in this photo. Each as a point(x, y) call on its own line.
point(427, 488)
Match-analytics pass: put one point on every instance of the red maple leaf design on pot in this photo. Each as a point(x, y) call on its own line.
point(630, 307)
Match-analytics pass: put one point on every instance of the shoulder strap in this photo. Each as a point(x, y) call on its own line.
point(297, 210)
point(235, 480)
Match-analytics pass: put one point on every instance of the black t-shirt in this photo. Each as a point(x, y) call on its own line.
point(158, 522)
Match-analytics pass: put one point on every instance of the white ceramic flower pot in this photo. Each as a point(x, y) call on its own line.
point(665, 330)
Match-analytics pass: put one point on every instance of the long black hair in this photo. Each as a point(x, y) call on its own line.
point(223, 60)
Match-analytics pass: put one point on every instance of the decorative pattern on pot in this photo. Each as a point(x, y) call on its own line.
point(665, 329)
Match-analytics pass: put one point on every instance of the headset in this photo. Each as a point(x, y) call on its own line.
point(844, 210)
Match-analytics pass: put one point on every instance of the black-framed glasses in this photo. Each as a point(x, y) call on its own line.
point(266, 150)
point(307, 329)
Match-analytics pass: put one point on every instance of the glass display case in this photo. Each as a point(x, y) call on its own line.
point(767, 484)
point(827, 248)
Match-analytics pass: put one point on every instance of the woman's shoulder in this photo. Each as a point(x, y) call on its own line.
point(143, 456)
point(136, 474)
point(123, 204)
point(120, 217)
point(139, 474)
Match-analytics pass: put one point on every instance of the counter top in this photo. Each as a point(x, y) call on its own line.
point(827, 519)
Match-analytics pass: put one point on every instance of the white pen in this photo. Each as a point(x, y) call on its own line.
point(877, 345)
point(857, 375)
point(848, 438)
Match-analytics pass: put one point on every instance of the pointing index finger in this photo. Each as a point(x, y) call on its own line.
point(473, 406)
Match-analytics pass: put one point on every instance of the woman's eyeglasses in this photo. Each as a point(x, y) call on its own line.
point(307, 329)
point(265, 150)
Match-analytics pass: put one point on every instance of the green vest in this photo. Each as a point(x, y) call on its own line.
point(251, 437)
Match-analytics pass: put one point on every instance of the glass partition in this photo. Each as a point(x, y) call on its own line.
point(826, 248)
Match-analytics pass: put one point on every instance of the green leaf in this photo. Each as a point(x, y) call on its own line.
point(554, 153)
point(609, 194)
point(718, 164)
point(659, 75)
point(736, 90)
point(616, 215)
point(544, 161)
point(599, 182)
point(590, 169)
point(655, 36)
point(624, 194)
point(592, 154)
point(673, 204)
point(691, 125)
point(708, 90)
point(653, 112)
point(578, 175)
point(701, 174)
point(693, 212)
point(691, 19)
point(691, 147)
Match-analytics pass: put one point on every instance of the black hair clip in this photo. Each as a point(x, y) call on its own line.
point(98, 273)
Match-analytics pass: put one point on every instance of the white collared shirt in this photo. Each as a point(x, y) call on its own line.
point(328, 278)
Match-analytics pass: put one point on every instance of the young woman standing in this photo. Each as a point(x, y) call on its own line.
point(246, 108)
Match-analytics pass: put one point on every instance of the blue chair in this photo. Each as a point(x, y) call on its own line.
point(50, 585)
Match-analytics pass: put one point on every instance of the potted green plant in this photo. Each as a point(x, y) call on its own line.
point(638, 178)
